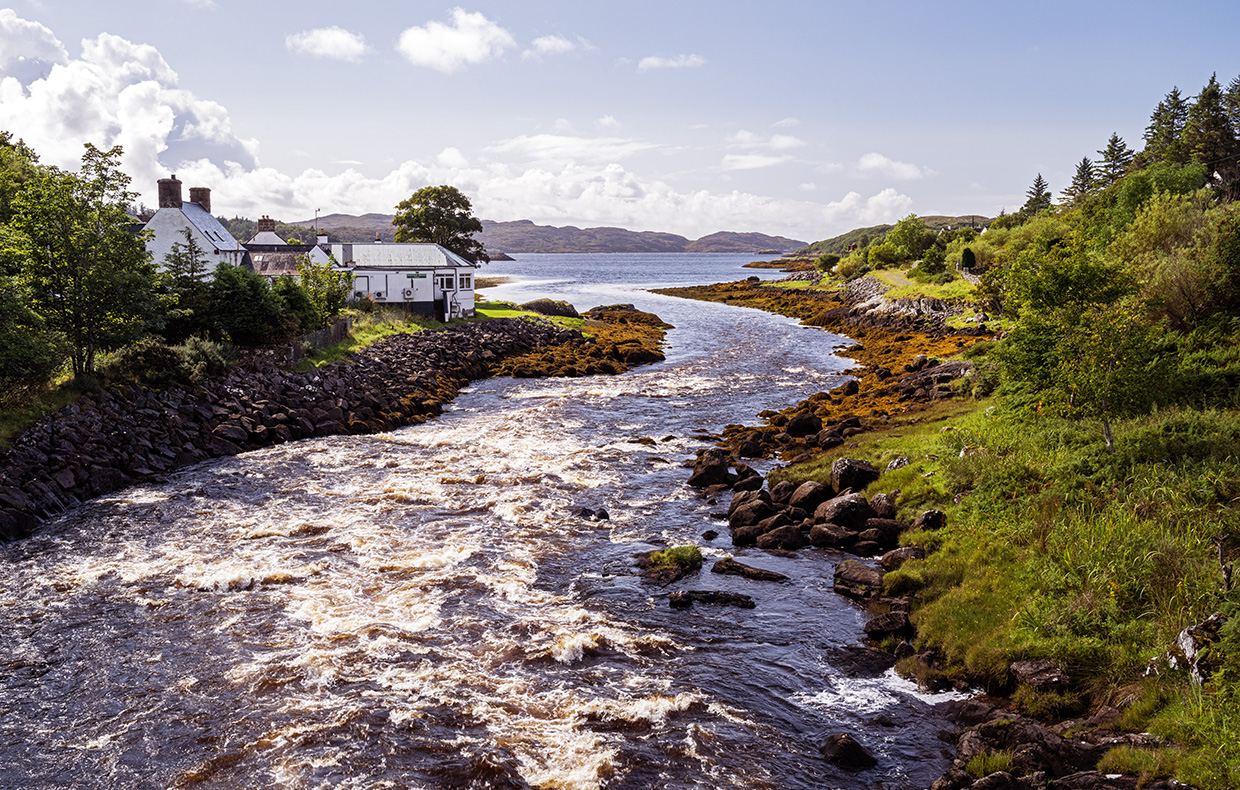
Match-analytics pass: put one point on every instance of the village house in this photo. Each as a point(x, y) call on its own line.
point(423, 278)
point(175, 216)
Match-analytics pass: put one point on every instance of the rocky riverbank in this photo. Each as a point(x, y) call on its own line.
point(902, 347)
point(125, 436)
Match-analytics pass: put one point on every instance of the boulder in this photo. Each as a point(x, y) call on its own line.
point(1191, 643)
point(857, 581)
point(788, 537)
point(930, 520)
point(683, 599)
point(782, 492)
point(747, 535)
point(776, 521)
point(892, 624)
point(850, 387)
point(1036, 748)
point(802, 424)
point(850, 511)
point(809, 495)
point(888, 528)
point(884, 505)
point(752, 483)
point(897, 463)
point(750, 446)
point(742, 497)
point(1040, 675)
point(852, 474)
point(729, 566)
point(831, 536)
point(892, 560)
point(710, 468)
point(844, 751)
point(750, 512)
point(828, 439)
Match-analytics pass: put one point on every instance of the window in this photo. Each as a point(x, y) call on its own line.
point(444, 282)
point(466, 281)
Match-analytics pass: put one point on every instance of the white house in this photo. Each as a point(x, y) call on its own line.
point(423, 278)
point(272, 256)
point(175, 215)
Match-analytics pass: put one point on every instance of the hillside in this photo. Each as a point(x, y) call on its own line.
point(839, 244)
point(525, 236)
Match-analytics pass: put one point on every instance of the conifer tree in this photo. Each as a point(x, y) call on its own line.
point(1039, 196)
point(1083, 181)
point(1231, 103)
point(1208, 134)
point(1164, 135)
point(1115, 159)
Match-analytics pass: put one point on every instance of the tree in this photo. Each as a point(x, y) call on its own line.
point(18, 165)
point(910, 237)
point(29, 354)
point(88, 277)
point(185, 265)
point(1208, 134)
point(1115, 159)
point(328, 288)
point(1164, 135)
point(1231, 103)
point(1039, 196)
point(243, 306)
point(1083, 181)
point(1109, 364)
point(440, 215)
point(296, 302)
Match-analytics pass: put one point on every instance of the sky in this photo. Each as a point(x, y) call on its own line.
point(801, 119)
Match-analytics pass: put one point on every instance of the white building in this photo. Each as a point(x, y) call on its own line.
point(423, 278)
point(175, 215)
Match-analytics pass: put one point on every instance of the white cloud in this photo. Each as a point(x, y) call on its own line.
point(751, 161)
point(786, 123)
point(809, 186)
point(206, 4)
point(678, 62)
point(562, 126)
point(548, 45)
point(875, 164)
point(334, 43)
point(780, 142)
point(608, 123)
point(559, 148)
point(23, 42)
point(470, 39)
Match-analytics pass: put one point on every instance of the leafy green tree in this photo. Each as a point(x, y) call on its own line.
point(186, 269)
point(1083, 181)
point(910, 237)
point(1226, 259)
point(88, 277)
point(881, 256)
point(440, 215)
point(1116, 158)
point(244, 308)
point(1208, 133)
point(934, 261)
point(1038, 196)
point(1164, 137)
point(826, 262)
point(328, 288)
point(18, 164)
point(968, 259)
point(29, 354)
point(296, 302)
point(1109, 363)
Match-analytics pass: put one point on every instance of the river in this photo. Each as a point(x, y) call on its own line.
point(424, 608)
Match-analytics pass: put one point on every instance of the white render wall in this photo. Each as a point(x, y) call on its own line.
point(168, 228)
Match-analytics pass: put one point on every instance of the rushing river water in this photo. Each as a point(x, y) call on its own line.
point(423, 609)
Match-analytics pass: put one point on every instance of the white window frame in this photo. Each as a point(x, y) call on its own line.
point(444, 282)
point(465, 282)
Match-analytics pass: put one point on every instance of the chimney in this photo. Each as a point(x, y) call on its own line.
point(378, 239)
point(201, 196)
point(170, 192)
point(266, 225)
point(322, 238)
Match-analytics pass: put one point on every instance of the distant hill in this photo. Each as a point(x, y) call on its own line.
point(840, 244)
point(524, 236)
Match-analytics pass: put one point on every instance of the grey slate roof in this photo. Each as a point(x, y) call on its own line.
point(397, 256)
point(210, 227)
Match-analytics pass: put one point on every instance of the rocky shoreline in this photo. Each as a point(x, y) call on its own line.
point(899, 343)
point(133, 434)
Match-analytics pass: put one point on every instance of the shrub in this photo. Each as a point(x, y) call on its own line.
point(551, 307)
point(826, 262)
point(204, 359)
point(683, 556)
point(156, 364)
point(987, 763)
point(244, 308)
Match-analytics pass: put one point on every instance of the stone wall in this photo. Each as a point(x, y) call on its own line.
point(107, 442)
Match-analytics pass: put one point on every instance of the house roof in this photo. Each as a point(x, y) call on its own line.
point(266, 237)
point(398, 256)
point(210, 227)
point(274, 264)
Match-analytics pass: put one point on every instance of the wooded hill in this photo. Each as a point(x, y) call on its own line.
point(525, 236)
point(863, 236)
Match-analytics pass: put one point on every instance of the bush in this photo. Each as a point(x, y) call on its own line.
point(826, 262)
point(204, 359)
point(987, 763)
point(683, 556)
point(244, 308)
point(155, 364)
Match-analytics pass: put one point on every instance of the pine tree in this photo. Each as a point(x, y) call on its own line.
point(1083, 181)
point(1115, 159)
point(1231, 103)
point(1164, 135)
point(1208, 134)
point(1039, 197)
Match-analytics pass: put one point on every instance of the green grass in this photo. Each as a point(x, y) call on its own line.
point(510, 310)
point(368, 329)
point(16, 417)
point(988, 763)
point(684, 556)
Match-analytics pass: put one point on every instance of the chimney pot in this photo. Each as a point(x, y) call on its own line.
point(201, 196)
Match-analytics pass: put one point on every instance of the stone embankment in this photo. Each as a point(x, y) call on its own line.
point(107, 442)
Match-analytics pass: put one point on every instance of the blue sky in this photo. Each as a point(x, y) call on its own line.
point(803, 119)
